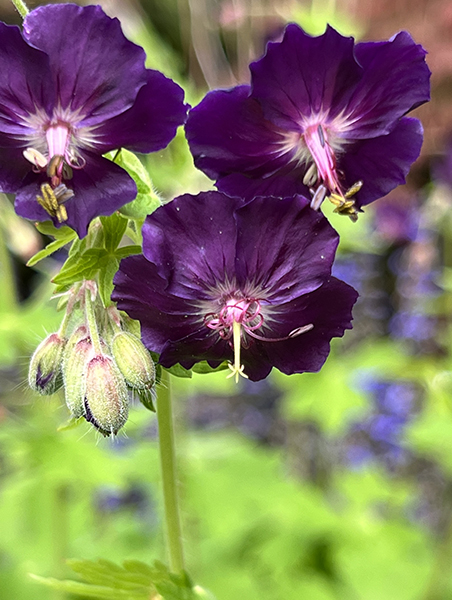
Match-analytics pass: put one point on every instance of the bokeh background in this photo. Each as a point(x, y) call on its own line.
point(317, 487)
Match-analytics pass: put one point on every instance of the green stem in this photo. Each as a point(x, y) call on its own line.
point(91, 321)
point(168, 465)
point(21, 8)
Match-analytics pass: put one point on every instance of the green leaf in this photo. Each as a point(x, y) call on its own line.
point(203, 367)
point(133, 581)
point(147, 199)
point(114, 228)
point(127, 251)
point(70, 235)
point(179, 371)
point(80, 266)
point(108, 268)
point(48, 228)
point(86, 590)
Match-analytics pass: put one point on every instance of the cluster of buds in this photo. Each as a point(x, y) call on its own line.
point(99, 363)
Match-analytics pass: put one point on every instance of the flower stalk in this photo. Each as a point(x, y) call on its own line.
point(21, 8)
point(169, 477)
point(91, 320)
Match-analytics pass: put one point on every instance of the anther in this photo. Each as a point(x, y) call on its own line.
point(51, 200)
point(321, 136)
point(35, 157)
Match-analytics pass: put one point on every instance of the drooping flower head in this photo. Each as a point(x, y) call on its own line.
point(322, 115)
point(72, 88)
point(220, 280)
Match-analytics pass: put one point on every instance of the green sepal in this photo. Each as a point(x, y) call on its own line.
point(71, 423)
point(146, 397)
point(67, 235)
point(147, 199)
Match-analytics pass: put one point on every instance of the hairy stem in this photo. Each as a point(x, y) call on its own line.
point(21, 8)
point(169, 479)
point(91, 321)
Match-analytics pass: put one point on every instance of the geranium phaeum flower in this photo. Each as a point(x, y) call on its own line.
point(72, 88)
point(323, 115)
point(224, 280)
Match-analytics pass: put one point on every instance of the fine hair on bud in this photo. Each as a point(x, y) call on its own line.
point(133, 360)
point(76, 357)
point(106, 401)
point(45, 372)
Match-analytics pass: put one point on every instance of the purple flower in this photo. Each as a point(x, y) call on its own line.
point(72, 88)
point(322, 115)
point(224, 280)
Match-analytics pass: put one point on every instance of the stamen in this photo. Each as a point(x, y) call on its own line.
point(236, 368)
point(50, 201)
point(321, 136)
point(345, 206)
point(318, 197)
point(294, 333)
point(55, 166)
point(35, 157)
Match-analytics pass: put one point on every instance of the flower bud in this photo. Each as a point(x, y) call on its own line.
point(44, 375)
point(106, 397)
point(76, 358)
point(133, 360)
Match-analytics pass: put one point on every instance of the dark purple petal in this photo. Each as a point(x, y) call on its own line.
point(329, 309)
point(302, 75)
point(95, 68)
point(142, 293)
point(284, 247)
point(13, 168)
point(247, 155)
point(395, 80)
point(24, 82)
point(152, 121)
point(382, 163)
point(228, 133)
point(100, 188)
point(192, 241)
point(200, 345)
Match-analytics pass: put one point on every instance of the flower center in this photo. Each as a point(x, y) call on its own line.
point(237, 319)
point(316, 139)
point(58, 164)
point(323, 175)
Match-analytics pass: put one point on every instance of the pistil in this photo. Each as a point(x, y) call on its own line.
point(237, 368)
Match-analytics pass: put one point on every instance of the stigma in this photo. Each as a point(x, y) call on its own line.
point(238, 322)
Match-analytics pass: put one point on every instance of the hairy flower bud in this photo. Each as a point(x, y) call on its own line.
point(106, 397)
point(45, 374)
point(133, 360)
point(76, 358)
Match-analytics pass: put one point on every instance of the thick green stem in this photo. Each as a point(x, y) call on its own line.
point(169, 479)
point(21, 8)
